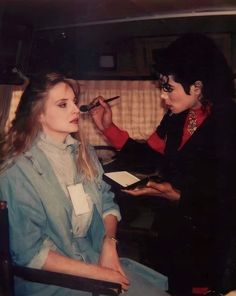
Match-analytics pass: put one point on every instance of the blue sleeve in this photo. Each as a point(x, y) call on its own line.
point(27, 219)
point(108, 203)
point(109, 206)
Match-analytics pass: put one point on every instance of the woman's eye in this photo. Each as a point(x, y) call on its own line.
point(62, 105)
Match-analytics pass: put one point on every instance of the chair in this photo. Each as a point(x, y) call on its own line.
point(9, 270)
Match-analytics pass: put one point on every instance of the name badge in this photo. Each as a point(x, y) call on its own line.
point(78, 198)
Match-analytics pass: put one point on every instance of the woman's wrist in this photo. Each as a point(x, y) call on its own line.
point(111, 239)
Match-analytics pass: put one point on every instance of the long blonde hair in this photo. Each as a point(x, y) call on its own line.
point(26, 126)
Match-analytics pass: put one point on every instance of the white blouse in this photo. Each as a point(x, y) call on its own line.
point(61, 159)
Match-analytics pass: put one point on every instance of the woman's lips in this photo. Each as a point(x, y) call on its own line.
point(75, 121)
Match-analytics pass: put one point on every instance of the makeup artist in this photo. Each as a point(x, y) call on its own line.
point(194, 150)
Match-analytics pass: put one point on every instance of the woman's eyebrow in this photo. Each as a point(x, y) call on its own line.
point(67, 99)
point(61, 100)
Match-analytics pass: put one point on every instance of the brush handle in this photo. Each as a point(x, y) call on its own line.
point(107, 101)
point(86, 108)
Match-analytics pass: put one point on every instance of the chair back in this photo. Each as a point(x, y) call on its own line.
point(6, 273)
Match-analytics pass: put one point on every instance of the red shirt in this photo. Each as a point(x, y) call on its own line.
point(118, 137)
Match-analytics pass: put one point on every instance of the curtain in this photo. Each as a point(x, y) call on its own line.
point(138, 110)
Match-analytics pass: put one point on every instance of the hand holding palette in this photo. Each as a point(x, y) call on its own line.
point(126, 180)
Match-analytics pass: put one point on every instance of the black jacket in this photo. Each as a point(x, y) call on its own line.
point(204, 170)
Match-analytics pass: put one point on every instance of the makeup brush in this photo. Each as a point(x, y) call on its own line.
point(86, 108)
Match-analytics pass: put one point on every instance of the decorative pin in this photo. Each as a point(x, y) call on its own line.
point(192, 122)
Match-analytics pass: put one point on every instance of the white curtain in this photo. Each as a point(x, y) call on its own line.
point(138, 110)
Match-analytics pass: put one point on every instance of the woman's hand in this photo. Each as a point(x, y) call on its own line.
point(102, 115)
point(110, 275)
point(109, 260)
point(152, 188)
point(60, 263)
point(109, 257)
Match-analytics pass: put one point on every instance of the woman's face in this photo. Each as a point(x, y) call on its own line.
point(175, 97)
point(61, 114)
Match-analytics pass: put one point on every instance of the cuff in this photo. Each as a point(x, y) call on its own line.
point(39, 259)
point(156, 143)
point(114, 213)
point(116, 136)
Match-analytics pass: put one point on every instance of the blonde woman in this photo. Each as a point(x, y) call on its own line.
point(62, 215)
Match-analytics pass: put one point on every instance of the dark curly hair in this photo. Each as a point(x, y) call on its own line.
point(195, 57)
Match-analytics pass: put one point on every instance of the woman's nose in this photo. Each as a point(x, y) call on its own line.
point(76, 109)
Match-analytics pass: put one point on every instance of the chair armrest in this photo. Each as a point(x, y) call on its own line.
point(67, 280)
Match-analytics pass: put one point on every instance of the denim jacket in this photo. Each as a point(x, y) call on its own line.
point(39, 209)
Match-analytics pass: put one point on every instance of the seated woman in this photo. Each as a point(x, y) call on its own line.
point(193, 149)
point(62, 214)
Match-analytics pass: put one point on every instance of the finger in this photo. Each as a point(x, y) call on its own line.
point(140, 191)
point(148, 190)
point(124, 288)
point(158, 186)
point(104, 104)
point(126, 281)
point(120, 269)
point(96, 110)
point(95, 100)
point(125, 285)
